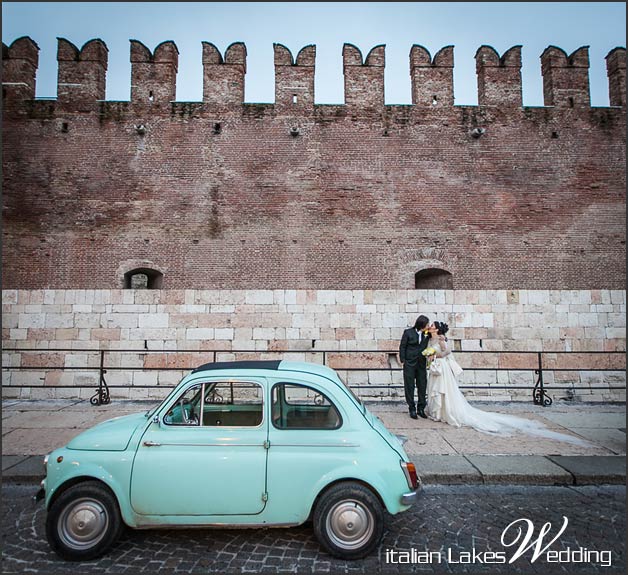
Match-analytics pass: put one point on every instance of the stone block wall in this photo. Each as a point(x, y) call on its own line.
point(153, 338)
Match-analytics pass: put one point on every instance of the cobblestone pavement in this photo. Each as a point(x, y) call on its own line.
point(450, 520)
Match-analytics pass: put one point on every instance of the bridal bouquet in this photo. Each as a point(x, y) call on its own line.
point(429, 353)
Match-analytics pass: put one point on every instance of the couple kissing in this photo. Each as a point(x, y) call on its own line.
point(413, 344)
point(430, 367)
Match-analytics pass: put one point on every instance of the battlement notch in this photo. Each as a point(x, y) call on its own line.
point(616, 71)
point(364, 80)
point(19, 69)
point(432, 80)
point(223, 78)
point(81, 73)
point(294, 80)
point(154, 75)
point(499, 79)
point(565, 78)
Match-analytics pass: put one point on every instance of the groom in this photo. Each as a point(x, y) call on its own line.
point(413, 342)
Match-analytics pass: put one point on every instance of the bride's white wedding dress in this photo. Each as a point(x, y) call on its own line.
point(445, 402)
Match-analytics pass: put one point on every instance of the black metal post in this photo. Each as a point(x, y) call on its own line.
point(102, 393)
point(539, 397)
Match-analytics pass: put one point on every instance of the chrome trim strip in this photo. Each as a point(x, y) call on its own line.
point(213, 427)
point(201, 414)
point(316, 444)
point(153, 444)
point(212, 444)
point(215, 525)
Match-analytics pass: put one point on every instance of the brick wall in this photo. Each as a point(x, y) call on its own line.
point(220, 194)
point(68, 328)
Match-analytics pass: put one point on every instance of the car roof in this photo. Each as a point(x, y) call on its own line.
point(269, 365)
point(220, 365)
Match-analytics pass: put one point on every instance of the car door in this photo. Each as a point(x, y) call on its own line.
point(310, 437)
point(214, 464)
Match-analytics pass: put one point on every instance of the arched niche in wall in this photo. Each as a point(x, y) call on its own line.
point(433, 278)
point(143, 278)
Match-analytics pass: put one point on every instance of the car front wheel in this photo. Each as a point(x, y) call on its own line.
point(83, 522)
point(349, 520)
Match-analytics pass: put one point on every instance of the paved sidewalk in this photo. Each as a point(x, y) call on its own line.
point(442, 454)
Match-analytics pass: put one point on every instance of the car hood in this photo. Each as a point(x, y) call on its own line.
point(393, 440)
point(111, 435)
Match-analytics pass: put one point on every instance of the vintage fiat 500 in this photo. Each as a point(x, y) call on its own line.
point(246, 444)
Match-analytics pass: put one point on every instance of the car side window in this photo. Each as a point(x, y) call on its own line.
point(233, 403)
point(185, 410)
point(296, 406)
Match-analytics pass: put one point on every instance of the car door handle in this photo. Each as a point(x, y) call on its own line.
point(151, 444)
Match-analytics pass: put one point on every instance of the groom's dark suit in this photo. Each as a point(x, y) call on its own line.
point(414, 366)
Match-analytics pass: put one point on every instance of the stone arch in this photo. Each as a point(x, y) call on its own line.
point(433, 278)
point(415, 261)
point(433, 275)
point(143, 278)
point(130, 269)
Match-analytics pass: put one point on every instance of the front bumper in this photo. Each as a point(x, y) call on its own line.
point(41, 494)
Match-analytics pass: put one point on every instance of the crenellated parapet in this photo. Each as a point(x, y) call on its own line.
point(565, 78)
point(82, 76)
point(294, 80)
point(616, 70)
point(81, 73)
point(220, 194)
point(432, 80)
point(223, 78)
point(19, 68)
point(364, 79)
point(499, 79)
point(154, 75)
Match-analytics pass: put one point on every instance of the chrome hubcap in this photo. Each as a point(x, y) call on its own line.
point(350, 524)
point(83, 523)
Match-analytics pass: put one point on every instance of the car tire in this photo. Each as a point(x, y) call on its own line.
point(84, 522)
point(349, 520)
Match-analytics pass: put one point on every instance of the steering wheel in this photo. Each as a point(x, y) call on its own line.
point(184, 413)
point(188, 418)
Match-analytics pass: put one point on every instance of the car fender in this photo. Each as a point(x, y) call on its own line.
point(387, 484)
point(115, 474)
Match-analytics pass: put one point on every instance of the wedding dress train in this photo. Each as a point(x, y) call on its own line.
point(445, 402)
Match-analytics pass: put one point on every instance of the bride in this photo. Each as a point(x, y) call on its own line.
point(445, 401)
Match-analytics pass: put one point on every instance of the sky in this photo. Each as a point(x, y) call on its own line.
point(328, 25)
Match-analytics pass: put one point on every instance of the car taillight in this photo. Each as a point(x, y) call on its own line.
point(410, 472)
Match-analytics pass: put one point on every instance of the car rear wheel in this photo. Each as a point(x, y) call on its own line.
point(83, 522)
point(349, 520)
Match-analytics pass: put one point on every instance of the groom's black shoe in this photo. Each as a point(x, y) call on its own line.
point(413, 413)
point(422, 413)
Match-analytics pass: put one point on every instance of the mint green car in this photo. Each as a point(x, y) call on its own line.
point(246, 444)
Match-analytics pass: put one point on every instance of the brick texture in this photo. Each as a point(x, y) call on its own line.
point(222, 194)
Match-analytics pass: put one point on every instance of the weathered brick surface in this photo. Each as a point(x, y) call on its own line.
point(81, 73)
point(221, 195)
